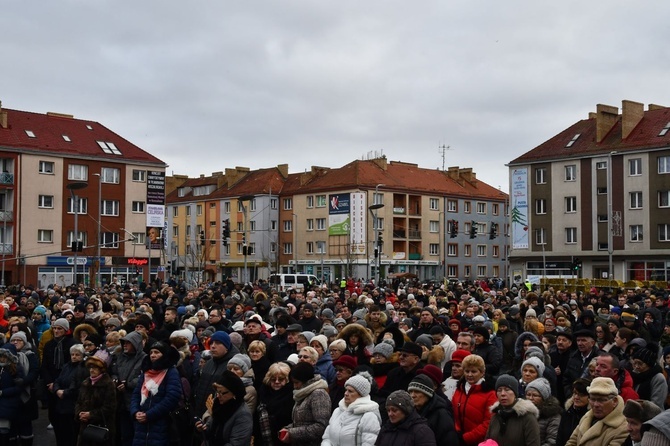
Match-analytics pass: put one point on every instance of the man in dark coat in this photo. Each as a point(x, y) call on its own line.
point(580, 359)
point(222, 350)
point(400, 377)
point(55, 355)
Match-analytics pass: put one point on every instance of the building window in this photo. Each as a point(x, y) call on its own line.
point(310, 247)
point(139, 175)
point(82, 206)
point(45, 236)
point(664, 232)
point(138, 207)
point(288, 248)
point(601, 165)
point(571, 173)
point(434, 249)
point(541, 236)
point(288, 225)
point(452, 250)
point(139, 238)
point(82, 238)
point(46, 201)
point(467, 250)
point(175, 231)
point(434, 204)
point(320, 224)
point(310, 224)
point(321, 201)
point(602, 218)
point(46, 167)
point(636, 233)
point(541, 206)
point(467, 207)
point(495, 208)
point(110, 208)
point(481, 270)
point(252, 225)
point(288, 204)
point(110, 175)
point(663, 198)
point(175, 211)
point(570, 204)
point(496, 271)
point(320, 247)
point(541, 176)
point(452, 206)
point(601, 190)
point(467, 271)
point(198, 209)
point(273, 203)
point(664, 164)
point(434, 226)
point(188, 210)
point(495, 251)
point(226, 207)
point(452, 271)
point(481, 250)
point(310, 201)
point(635, 200)
point(77, 172)
point(481, 208)
point(273, 225)
point(273, 247)
point(571, 236)
point(635, 167)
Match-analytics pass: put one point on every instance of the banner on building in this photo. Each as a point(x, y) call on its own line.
point(155, 208)
point(358, 216)
point(339, 218)
point(520, 209)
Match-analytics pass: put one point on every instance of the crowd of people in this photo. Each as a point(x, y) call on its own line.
point(402, 363)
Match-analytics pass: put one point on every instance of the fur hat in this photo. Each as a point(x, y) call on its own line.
point(95, 361)
point(602, 386)
point(383, 349)
point(62, 322)
point(360, 384)
point(542, 386)
point(508, 381)
point(423, 384)
point(640, 410)
point(302, 372)
point(401, 400)
point(535, 362)
point(184, 333)
point(242, 361)
point(222, 337)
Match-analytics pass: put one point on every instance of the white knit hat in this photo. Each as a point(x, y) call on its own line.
point(184, 333)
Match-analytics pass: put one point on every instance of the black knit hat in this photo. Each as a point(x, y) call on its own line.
point(401, 400)
point(508, 381)
point(482, 331)
point(648, 354)
point(302, 372)
point(234, 383)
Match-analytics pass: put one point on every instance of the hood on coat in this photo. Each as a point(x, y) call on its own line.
point(518, 345)
point(521, 408)
point(364, 336)
point(90, 329)
point(550, 407)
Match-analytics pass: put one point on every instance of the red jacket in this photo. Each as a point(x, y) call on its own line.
point(472, 413)
point(625, 385)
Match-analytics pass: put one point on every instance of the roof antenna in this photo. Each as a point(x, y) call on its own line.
point(442, 150)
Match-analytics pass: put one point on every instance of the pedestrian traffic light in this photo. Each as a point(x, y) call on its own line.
point(453, 232)
point(473, 229)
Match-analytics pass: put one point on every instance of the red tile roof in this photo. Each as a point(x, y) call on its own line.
point(50, 128)
point(643, 137)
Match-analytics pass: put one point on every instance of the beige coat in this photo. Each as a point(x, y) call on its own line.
point(610, 431)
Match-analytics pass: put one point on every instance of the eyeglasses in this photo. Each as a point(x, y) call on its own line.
point(601, 400)
point(222, 392)
point(303, 356)
point(89, 344)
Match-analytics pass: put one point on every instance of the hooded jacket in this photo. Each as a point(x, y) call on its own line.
point(515, 426)
point(610, 431)
point(358, 424)
point(127, 367)
point(549, 420)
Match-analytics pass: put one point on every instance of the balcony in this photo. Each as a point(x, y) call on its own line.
point(415, 256)
point(414, 234)
point(6, 216)
point(399, 233)
point(6, 178)
point(399, 210)
point(6, 248)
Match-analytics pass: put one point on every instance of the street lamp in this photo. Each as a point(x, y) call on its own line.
point(97, 276)
point(295, 237)
point(373, 210)
point(75, 204)
point(610, 234)
point(245, 250)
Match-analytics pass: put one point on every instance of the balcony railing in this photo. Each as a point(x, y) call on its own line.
point(414, 234)
point(6, 215)
point(415, 256)
point(398, 210)
point(399, 233)
point(6, 248)
point(6, 178)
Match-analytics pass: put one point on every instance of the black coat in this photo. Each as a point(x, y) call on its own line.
point(412, 431)
point(437, 413)
point(569, 421)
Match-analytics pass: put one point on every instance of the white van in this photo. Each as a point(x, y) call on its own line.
point(283, 282)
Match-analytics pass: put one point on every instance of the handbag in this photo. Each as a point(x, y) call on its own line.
point(93, 433)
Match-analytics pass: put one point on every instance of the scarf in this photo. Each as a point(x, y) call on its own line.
point(304, 392)
point(58, 354)
point(152, 380)
point(96, 379)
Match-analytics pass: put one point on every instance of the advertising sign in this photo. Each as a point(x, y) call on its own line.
point(339, 219)
point(519, 209)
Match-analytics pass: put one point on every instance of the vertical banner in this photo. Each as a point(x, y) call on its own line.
point(520, 209)
point(155, 208)
point(339, 218)
point(358, 216)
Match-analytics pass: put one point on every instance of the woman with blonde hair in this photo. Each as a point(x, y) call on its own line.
point(275, 396)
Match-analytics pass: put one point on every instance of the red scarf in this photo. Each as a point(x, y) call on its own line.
point(152, 380)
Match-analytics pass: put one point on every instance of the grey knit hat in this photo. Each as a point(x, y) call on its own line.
point(535, 362)
point(423, 384)
point(242, 361)
point(383, 349)
point(360, 384)
point(401, 400)
point(425, 340)
point(534, 352)
point(542, 386)
point(19, 335)
point(339, 320)
point(62, 323)
point(508, 381)
point(360, 314)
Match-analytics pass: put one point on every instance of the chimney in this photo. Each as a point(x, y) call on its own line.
point(656, 107)
point(606, 117)
point(3, 117)
point(283, 170)
point(631, 115)
point(381, 162)
point(454, 172)
point(468, 175)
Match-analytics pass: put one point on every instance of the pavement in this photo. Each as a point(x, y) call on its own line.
point(43, 436)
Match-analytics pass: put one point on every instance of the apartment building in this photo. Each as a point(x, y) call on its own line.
point(593, 201)
point(60, 173)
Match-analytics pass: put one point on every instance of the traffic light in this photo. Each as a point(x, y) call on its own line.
point(202, 238)
point(576, 264)
point(380, 240)
point(473, 229)
point(376, 253)
point(494, 231)
point(453, 232)
point(225, 233)
point(77, 246)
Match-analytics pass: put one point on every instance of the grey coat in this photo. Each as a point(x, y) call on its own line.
point(128, 368)
point(517, 426)
point(550, 418)
point(311, 413)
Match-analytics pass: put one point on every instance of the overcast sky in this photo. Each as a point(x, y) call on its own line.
point(210, 85)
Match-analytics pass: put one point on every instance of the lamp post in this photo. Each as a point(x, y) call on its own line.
point(245, 249)
point(373, 210)
point(540, 232)
point(610, 234)
point(295, 236)
point(97, 276)
point(75, 204)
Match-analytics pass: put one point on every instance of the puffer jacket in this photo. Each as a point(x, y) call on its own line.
point(412, 431)
point(156, 431)
point(610, 431)
point(311, 413)
point(358, 424)
point(516, 425)
point(471, 410)
point(550, 418)
point(128, 368)
point(441, 422)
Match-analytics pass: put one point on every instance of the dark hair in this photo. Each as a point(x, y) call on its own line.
point(627, 334)
point(580, 385)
